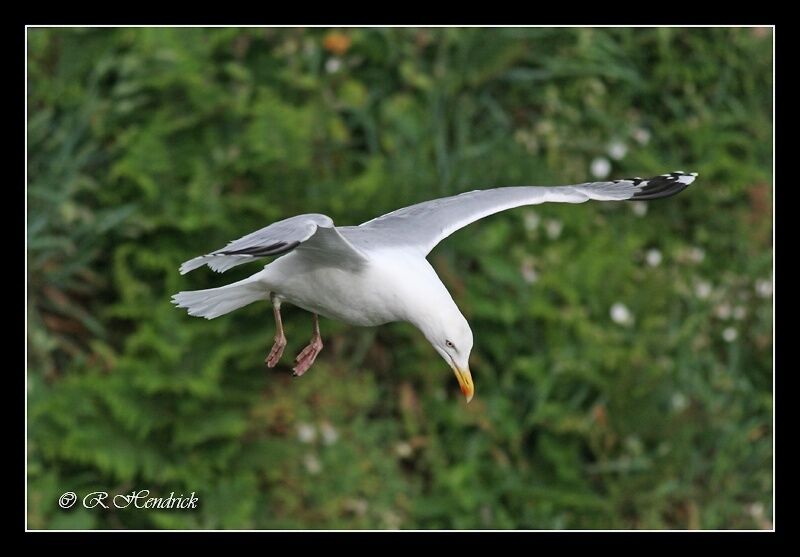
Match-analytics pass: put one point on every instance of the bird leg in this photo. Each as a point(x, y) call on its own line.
point(306, 358)
point(280, 339)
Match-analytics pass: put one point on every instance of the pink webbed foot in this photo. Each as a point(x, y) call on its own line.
point(275, 354)
point(280, 339)
point(305, 359)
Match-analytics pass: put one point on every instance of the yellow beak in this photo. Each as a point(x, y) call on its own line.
point(465, 381)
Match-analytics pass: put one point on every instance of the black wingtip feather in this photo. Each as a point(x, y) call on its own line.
point(662, 186)
point(263, 251)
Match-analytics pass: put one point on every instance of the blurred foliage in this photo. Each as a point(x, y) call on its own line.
point(148, 146)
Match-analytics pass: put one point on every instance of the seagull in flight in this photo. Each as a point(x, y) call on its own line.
point(377, 272)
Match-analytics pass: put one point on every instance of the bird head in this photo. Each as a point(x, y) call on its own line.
point(451, 336)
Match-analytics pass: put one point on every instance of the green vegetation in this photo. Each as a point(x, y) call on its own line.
point(149, 146)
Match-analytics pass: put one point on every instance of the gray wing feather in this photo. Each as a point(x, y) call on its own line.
point(426, 224)
point(314, 231)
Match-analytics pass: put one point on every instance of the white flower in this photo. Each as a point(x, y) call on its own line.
point(392, 520)
point(312, 464)
point(617, 150)
point(621, 314)
point(653, 258)
point(306, 433)
point(531, 219)
point(639, 208)
point(764, 287)
point(333, 65)
point(724, 311)
point(357, 506)
point(756, 510)
point(679, 401)
point(529, 274)
point(702, 289)
point(696, 254)
point(739, 313)
point(329, 433)
point(641, 135)
point(600, 168)
point(553, 228)
point(729, 334)
point(403, 449)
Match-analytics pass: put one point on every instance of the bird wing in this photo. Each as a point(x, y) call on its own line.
point(312, 232)
point(426, 224)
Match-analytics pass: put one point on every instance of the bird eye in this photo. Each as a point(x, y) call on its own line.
point(449, 344)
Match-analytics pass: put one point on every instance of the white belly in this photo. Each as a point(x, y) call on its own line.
point(366, 297)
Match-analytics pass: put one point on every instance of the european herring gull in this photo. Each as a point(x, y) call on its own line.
point(377, 272)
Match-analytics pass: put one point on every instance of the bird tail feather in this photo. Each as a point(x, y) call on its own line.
point(214, 302)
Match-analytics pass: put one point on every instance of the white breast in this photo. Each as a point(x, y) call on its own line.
point(376, 294)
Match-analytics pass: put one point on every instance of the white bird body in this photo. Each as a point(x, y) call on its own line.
point(377, 272)
point(393, 285)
